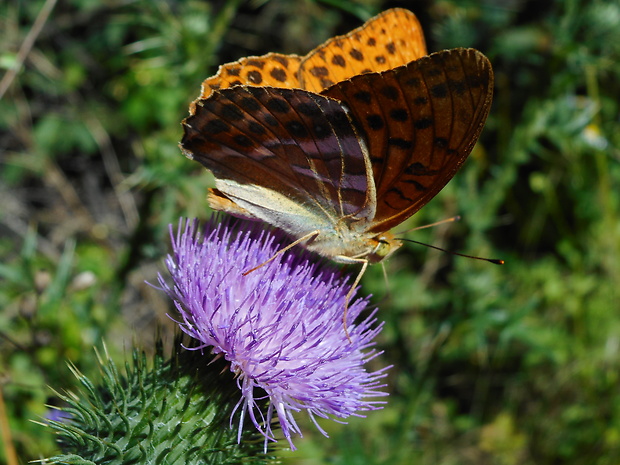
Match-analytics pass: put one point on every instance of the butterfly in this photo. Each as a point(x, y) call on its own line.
point(338, 147)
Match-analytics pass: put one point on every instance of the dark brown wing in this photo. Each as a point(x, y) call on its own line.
point(420, 122)
point(290, 141)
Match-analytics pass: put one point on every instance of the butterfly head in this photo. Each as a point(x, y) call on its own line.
point(384, 245)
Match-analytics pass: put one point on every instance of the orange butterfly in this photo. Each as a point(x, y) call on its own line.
point(337, 147)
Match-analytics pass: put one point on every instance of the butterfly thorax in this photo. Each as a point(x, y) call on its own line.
point(345, 246)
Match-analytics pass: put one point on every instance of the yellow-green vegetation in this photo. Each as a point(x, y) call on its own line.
point(517, 364)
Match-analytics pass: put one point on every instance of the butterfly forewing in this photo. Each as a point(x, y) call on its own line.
point(420, 122)
point(387, 41)
point(299, 144)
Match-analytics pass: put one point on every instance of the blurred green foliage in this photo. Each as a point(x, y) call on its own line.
point(501, 365)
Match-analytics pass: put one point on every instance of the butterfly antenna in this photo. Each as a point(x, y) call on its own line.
point(347, 299)
point(495, 261)
point(437, 223)
point(386, 280)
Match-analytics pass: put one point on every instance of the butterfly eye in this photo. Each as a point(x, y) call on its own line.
point(383, 248)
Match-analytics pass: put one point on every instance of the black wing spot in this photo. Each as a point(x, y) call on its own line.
point(308, 109)
point(257, 63)
point(403, 144)
point(215, 126)
point(321, 130)
point(459, 87)
point(400, 193)
point(363, 96)
point(439, 90)
point(270, 120)
point(338, 60)
point(399, 114)
point(319, 71)
point(256, 128)
point(297, 129)
point(282, 60)
point(356, 54)
point(417, 185)
point(441, 142)
point(255, 77)
point(375, 122)
point(423, 123)
point(419, 169)
point(277, 105)
point(232, 112)
point(243, 141)
point(278, 74)
point(390, 92)
point(340, 123)
point(413, 82)
point(249, 104)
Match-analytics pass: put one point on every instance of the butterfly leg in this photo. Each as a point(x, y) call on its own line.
point(386, 280)
point(308, 237)
point(350, 260)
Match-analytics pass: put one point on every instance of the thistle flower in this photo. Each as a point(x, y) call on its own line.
point(280, 327)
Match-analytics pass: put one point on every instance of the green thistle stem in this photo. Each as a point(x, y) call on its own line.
point(175, 411)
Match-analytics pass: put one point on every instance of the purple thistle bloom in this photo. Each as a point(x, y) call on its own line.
point(58, 415)
point(280, 327)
